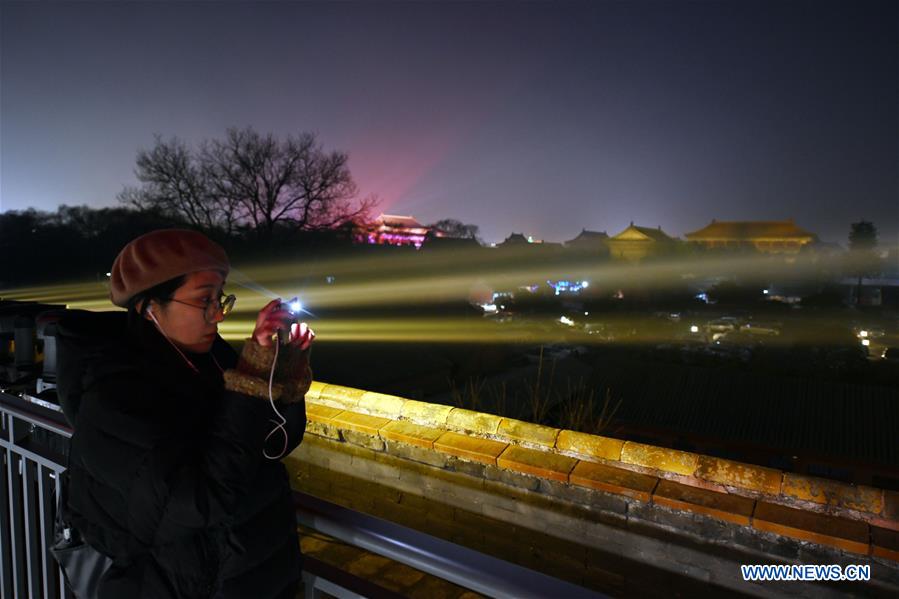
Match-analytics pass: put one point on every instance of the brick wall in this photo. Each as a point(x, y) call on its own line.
point(617, 516)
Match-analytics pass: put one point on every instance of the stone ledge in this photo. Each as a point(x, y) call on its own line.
point(880, 508)
point(422, 497)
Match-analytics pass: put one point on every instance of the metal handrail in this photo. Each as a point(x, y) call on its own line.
point(466, 567)
point(29, 484)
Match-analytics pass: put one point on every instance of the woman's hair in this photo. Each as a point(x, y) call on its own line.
point(161, 293)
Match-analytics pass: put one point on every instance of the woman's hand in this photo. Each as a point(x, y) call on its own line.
point(272, 318)
point(301, 335)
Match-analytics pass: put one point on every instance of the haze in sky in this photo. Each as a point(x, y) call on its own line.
point(535, 117)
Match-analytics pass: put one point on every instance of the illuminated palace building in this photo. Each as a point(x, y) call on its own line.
point(391, 229)
point(775, 237)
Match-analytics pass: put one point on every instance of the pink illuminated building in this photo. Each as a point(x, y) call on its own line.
point(392, 229)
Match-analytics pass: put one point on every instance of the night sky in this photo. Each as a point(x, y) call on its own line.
point(534, 117)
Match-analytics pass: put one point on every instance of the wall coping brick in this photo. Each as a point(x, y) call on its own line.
point(578, 444)
point(468, 447)
point(849, 535)
point(833, 493)
point(410, 433)
point(659, 458)
point(469, 421)
point(537, 463)
point(379, 404)
point(736, 474)
point(361, 423)
point(427, 414)
point(724, 506)
point(607, 464)
point(527, 433)
point(614, 480)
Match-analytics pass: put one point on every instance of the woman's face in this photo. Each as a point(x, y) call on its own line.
point(185, 323)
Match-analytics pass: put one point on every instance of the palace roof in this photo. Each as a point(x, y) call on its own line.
point(747, 230)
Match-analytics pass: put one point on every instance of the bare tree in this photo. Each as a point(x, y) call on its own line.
point(456, 228)
point(175, 182)
point(253, 179)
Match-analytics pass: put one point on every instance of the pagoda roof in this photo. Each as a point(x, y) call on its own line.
point(395, 220)
point(515, 238)
point(586, 235)
point(637, 233)
point(763, 229)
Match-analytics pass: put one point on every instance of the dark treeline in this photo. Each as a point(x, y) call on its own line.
point(79, 242)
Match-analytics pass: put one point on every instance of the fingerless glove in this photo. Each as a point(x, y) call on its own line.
point(292, 373)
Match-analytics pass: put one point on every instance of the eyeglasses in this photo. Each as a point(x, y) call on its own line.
point(212, 307)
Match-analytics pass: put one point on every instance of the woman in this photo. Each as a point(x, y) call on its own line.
point(174, 470)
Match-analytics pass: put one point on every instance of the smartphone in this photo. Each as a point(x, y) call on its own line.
point(295, 307)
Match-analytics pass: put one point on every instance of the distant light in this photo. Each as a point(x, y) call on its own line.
point(586, 314)
point(585, 284)
point(765, 291)
point(866, 342)
point(489, 307)
point(863, 334)
point(566, 320)
point(296, 307)
point(530, 239)
point(329, 279)
point(109, 274)
point(694, 328)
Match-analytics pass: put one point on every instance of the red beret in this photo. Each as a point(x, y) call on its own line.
point(161, 255)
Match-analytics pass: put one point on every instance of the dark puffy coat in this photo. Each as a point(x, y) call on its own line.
point(167, 473)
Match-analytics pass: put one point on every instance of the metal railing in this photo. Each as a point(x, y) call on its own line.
point(465, 567)
point(35, 438)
